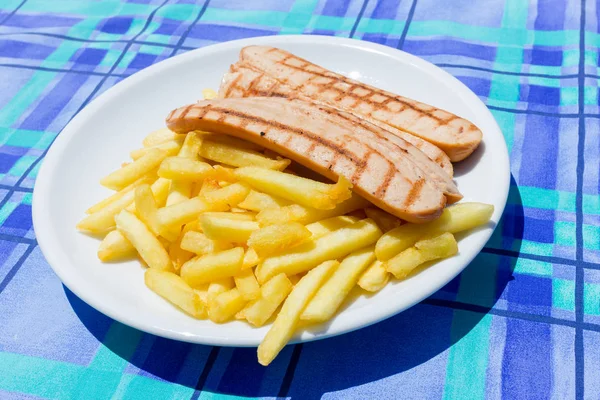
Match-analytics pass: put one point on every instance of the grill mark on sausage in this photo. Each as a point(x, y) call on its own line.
point(414, 192)
point(325, 74)
point(383, 186)
point(234, 84)
point(335, 147)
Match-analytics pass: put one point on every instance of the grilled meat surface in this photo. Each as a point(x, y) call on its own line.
point(456, 136)
point(325, 140)
point(246, 82)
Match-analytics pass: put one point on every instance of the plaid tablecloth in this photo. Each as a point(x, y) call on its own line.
point(522, 321)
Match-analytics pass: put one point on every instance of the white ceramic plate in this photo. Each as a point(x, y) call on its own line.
point(100, 137)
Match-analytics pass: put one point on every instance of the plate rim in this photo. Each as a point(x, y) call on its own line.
point(41, 224)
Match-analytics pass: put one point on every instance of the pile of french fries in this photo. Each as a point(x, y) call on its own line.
point(228, 231)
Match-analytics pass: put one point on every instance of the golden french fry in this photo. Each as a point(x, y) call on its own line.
point(228, 229)
point(306, 215)
point(240, 216)
point(251, 259)
point(209, 94)
point(125, 176)
point(198, 243)
point(104, 219)
point(202, 292)
point(174, 216)
point(225, 305)
point(181, 190)
point(441, 246)
point(385, 221)
point(303, 191)
point(334, 245)
point(145, 207)
point(257, 201)
point(325, 226)
point(208, 185)
point(337, 287)
point(172, 147)
point(115, 247)
point(160, 190)
point(238, 156)
point(226, 197)
point(454, 219)
point(178, 255)
point(231, 141)
point(223, 173)
point(246, 283)
point(184, 169)
point(174, 289)
point(150, 249)
point(213, 266)
point(284, 326)
point(272, 294)
point(149, 178)
point(375, 277)
point(278, 237)
point(159, 136)
point(217, 287)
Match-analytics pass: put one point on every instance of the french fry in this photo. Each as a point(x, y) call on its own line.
point(231, 141)
point(251, 259)
point(454, 219)
point(337, 287)
point(272, 294)
point(257, 201)
point(181, 190)
point(375, 277)
point(332, 246)
point(149, 178)
point(441, 246)
point(240, 216)
point(238, 156)
point(284, 326)
point(174, 289)
point(213, 266)
point(115, 247)
point(104, 219)
point(125, 176)
point(150, 249)
point(278, 237)
point(198, 243)
point(225, 305)
point(325, 226)
point(385, 221)
point(306, 215)
point(145, 207)
point(227, 229)
point(184, 169)
point(171, 147)
point(246, 283)
point(208, 185)
point(202, 292)
point(223, 173)
point(209, 94)
point(178, 255)
point(172, 217)
point(300, 190)
point(217, 287)
point(224, 198)
point(160, 190)
point(159, 136)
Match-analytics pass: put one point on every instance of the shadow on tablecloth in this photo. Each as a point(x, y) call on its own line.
point(390, 347)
